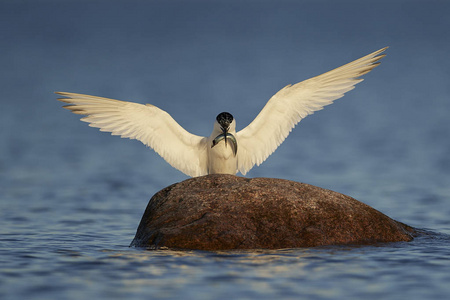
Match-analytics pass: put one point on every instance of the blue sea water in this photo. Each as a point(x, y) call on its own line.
point(71, 197)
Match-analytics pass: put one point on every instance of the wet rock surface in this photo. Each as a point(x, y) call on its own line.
point(222, 212)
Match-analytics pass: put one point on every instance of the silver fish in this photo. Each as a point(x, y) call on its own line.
point(226, 136)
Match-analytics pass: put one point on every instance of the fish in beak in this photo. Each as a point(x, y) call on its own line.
point(226, 136)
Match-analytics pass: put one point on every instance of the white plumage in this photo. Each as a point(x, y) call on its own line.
point(195, 155)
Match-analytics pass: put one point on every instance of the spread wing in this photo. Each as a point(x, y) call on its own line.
point(146, 123)
point(293, 103)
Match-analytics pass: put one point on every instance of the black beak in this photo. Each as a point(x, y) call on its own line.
point(225, 131)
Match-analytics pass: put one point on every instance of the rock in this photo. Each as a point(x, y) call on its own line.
point(221, 212)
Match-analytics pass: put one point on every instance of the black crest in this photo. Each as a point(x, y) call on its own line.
point(224, 119)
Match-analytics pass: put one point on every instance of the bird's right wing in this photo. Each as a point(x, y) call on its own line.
point(146, 123)
point(294, 102)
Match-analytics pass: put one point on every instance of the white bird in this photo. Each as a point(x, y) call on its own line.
point(225, 151)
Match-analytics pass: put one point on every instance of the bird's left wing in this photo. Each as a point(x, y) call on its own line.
point(294, 102)
point(146, 123)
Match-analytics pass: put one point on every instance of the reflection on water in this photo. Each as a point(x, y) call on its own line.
point(318, 272)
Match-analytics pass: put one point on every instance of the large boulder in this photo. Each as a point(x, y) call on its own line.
point(220, 212)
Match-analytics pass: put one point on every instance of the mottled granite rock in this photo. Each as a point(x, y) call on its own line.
point(220, 212)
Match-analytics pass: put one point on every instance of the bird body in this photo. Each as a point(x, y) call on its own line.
point(222, 150)
point(225, 151)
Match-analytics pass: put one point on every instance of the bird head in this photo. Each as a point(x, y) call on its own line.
point(225, 124)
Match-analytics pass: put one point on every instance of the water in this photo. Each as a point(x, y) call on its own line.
point(71, 198)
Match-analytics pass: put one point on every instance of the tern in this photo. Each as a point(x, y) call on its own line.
point(225, 151)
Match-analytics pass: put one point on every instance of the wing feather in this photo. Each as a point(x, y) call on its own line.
point(146, 123)
point(293, 103)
